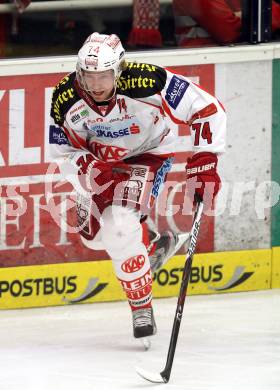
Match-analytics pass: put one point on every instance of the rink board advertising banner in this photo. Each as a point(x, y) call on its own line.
point(275, 267)
point(30, 234)
point(275, 212)
point(85, 282)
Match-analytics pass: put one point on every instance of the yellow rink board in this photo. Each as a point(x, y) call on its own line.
point(219, 272)
point(276, 267)
point(84, 282)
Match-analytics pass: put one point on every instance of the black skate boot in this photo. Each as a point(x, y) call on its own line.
point(144, 324)
point(165, 247)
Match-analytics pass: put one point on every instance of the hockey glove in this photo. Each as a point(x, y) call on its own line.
point(101, 178)
point(202, 177)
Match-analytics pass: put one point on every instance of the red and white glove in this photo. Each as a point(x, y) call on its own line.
point(202, 177)
point(100, 177)
point(105, 177)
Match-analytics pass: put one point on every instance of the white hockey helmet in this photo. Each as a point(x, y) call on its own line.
point(100, 52)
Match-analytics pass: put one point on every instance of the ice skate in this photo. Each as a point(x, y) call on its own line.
point(144, 324)
point(165, 247)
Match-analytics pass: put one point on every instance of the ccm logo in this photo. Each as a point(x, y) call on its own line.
point(203, 168)
point(133, 264)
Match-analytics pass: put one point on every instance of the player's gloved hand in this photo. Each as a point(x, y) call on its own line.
point(202, 177)
point(109, 177)
point(104, 178)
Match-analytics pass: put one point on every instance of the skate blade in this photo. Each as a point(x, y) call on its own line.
point(182, 238)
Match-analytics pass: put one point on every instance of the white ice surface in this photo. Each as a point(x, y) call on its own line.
point(226, 342)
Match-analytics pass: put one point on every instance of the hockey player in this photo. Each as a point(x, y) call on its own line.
point(109, 135)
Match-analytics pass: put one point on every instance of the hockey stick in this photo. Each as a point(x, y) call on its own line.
point(164, 376)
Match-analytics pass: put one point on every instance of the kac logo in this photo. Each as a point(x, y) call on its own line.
point(133, 264)
point(108, 153)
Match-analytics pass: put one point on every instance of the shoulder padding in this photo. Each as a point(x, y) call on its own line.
point(63, 98)
point(141, 80)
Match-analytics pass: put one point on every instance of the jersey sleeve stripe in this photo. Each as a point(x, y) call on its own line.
point(172, 117)
point(72, 140)
point(154, 105)
point(205, 112)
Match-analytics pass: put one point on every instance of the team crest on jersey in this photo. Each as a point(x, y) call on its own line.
point(176, 91)
point(108, 153)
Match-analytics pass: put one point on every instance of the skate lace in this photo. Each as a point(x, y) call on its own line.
point(142, 317)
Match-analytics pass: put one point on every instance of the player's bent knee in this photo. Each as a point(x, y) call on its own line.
point(95, 244)
point(119, 227)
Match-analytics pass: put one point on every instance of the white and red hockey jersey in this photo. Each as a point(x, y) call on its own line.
point(134, 122)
